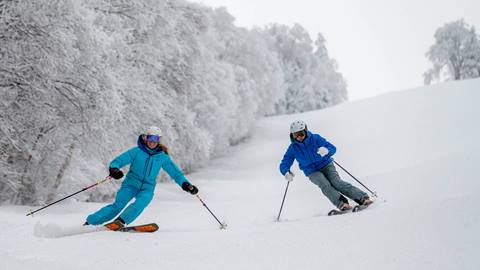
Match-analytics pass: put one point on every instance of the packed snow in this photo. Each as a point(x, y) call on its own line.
point(418, 149)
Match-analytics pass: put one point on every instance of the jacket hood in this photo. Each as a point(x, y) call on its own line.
point(145, 148)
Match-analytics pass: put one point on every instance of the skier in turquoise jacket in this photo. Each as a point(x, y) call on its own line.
point(145, 160)
point(314, 155)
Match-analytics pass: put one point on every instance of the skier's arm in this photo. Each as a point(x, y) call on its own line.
point(287, 161)
point(124, 159)
point(322, 142)
point(331, 148)
point(174, 172)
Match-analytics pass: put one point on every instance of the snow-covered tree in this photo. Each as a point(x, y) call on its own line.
point(310, 76)
point(331, 87)
point(80, 80)
point(455, 54)
point(49, 93)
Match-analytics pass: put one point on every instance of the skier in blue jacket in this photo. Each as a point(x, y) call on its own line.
point(145, 160)
point(314, 156)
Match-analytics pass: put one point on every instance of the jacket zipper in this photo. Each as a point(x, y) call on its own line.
point(150, 171)
point(145, 172)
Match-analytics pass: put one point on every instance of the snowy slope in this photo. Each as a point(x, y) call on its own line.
point(418, 149)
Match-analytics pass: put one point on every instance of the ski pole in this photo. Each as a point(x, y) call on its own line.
point(222, 225)
point(373, 193)
point(284, 195)
point(96, 184)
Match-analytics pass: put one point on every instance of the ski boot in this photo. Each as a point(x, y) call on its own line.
point(366, 201)
point(115, 225)
point(345, 207)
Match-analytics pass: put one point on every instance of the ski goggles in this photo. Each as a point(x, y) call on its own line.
point(299, 134)
point(153, 138)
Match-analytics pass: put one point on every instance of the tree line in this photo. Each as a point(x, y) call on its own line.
point(80, 80)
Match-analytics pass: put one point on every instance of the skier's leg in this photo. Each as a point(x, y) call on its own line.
point(345, 188)
point(143, 198)
point(124, 195)
point(319, 179)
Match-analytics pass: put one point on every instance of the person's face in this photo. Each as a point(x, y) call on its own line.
point(151, 144)
point(299, 136)
point(152, 141)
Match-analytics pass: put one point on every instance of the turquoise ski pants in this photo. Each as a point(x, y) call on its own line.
point(124, 195)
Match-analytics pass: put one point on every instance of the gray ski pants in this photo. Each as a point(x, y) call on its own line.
point(334, 187)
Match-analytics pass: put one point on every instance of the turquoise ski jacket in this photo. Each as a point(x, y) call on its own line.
point(145, 165)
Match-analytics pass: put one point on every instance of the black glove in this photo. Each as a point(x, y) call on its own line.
point(189, 188)
point(115, 173)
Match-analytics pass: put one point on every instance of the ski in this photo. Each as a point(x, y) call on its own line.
point(144, 228)
point(335, 212)
point(357, 208)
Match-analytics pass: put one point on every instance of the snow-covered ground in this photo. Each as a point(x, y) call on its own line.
point(418, 149)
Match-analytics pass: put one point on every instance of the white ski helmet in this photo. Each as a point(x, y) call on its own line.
point(153, 130)
point(153, 134)
point(297, 125)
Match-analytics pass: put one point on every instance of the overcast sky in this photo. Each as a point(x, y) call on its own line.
point(380, 45)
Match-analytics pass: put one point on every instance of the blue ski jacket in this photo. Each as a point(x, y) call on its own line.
point(306, 153)
point(145, 165)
